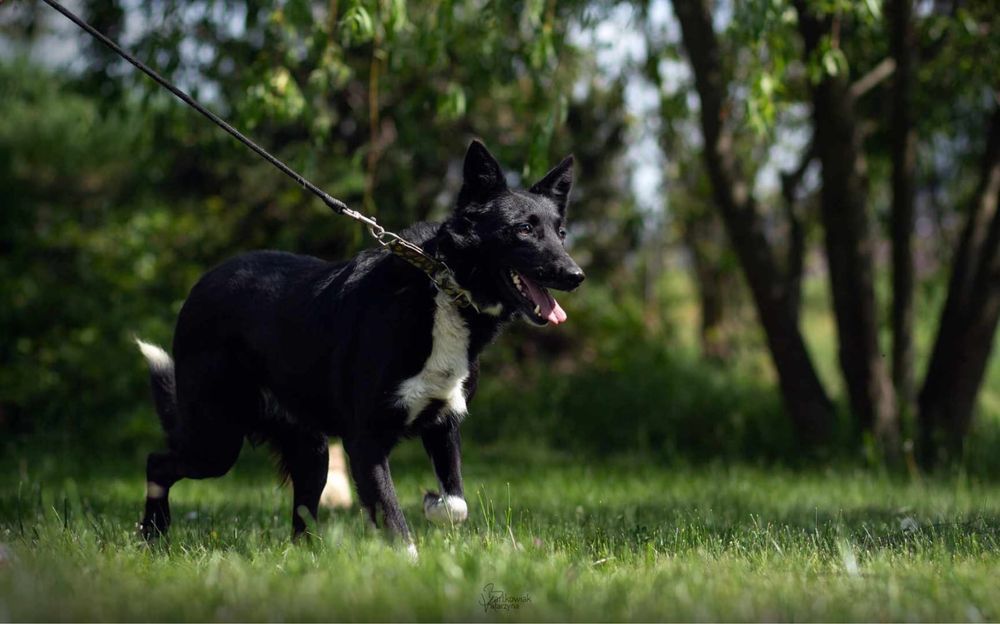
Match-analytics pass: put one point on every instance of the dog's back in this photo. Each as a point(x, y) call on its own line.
point(239, 303)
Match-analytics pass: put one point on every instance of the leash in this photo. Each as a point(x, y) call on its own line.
point(438, 272)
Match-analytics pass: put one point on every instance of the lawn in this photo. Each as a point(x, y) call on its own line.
point(562, 538)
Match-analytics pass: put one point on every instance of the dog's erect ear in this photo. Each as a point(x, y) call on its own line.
point(482, 176)
point(557, 184)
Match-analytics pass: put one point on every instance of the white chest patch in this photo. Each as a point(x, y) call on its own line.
point(446, 368)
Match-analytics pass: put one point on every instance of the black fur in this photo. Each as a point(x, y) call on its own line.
point(292, 349)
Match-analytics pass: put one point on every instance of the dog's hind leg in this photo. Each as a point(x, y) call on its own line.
point(201, 447)
point(305, 458)
point(160, 475)
point(370, 468)
point(164, 469)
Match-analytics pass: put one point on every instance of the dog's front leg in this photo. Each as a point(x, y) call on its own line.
point(370, 468)
point(443, 445)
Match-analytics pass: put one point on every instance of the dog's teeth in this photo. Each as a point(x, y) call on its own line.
point(538, 310)
point(514, 277)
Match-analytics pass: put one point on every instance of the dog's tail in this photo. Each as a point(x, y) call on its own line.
point(161, 378)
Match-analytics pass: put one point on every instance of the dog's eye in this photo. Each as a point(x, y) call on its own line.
point(524, 228)
point(562, 233)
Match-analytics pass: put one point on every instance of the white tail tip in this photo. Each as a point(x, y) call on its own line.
point(158, 359)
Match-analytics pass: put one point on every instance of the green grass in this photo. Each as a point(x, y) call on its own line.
point(619, 539)
point(730, 530)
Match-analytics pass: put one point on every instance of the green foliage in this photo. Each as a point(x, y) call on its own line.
point(278, 98)
point(115, 199)
point(357, 25)
point(637, 395)
point(766, 28)
point(64, 168)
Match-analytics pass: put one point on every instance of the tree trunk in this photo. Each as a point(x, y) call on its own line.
point(796, 256)
point(803, 395)
point(848, 238)
point(903, 146)
point(969, 319)
point(704, 237)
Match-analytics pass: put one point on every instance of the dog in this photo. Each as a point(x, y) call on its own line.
point(291, 350)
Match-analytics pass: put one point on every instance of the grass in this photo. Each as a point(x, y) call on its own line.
point(584, 533)
point(620, 539)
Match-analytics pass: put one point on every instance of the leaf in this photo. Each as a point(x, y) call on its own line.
point(829, 64)
point(357, 25)
point(874, 9)
point(451, 104)
point(398, 19)
point(531, 17)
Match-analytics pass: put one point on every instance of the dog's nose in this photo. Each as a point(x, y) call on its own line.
point(575, 277)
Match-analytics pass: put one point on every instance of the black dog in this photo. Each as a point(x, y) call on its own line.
point(291, 349)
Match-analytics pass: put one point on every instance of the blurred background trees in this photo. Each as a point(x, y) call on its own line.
point(787, 209)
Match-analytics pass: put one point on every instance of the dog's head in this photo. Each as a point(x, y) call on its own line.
point(507, 245)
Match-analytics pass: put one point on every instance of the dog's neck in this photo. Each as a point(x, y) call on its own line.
point(489, 315)
point(448, 247)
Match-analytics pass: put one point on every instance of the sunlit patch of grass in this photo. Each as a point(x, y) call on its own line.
point(619, 539)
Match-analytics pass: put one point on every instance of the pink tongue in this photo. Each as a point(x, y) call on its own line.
point(548, 307)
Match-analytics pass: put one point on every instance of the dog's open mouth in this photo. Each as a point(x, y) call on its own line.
point(536, 302)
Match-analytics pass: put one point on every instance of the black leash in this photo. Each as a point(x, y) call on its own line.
point(437, 270)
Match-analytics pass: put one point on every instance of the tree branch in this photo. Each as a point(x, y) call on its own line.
point(873, 78)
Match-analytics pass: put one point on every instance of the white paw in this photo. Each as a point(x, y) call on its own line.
point(445, 509)
point(411, 552)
